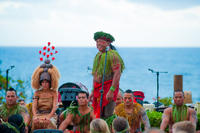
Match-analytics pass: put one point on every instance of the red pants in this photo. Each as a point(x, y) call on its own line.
point(97, 96)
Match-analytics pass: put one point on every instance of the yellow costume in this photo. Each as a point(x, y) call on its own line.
point(133, 118)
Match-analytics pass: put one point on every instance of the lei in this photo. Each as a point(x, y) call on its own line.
point(179, 113)
point(133, 118)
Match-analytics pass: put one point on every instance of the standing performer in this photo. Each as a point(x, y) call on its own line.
point(45, 82)
point(179, 112)
point(114, 68)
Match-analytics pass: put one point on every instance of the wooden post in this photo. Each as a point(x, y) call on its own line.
point(188, 97)
point(178, 82)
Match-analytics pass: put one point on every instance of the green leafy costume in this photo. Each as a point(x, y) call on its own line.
point(179, 113)
point(113, 59)
point(84, 119)
point(16, 109)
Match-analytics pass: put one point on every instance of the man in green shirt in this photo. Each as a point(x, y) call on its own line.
point(11, 107)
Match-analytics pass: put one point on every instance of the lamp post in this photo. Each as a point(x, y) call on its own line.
point(7, 71)
point(157, 74)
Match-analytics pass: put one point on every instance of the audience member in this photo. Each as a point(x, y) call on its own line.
point(186, 126)
point(153, 130)
point(17, 121)
point(120, 125)
point(99, 126)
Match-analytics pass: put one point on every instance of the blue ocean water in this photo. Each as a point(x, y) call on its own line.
point(73, 63)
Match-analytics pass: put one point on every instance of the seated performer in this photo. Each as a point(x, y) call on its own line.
point(133, 112)
point(179, 112)
point(11, 107)
point(80, 115)
point(45, 82)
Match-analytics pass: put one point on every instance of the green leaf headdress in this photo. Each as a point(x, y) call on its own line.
point(105, 36)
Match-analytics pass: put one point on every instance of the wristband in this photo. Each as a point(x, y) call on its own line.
point(112, 88)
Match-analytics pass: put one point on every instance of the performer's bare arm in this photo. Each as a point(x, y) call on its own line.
point(116, 77)
point(117, 71)
point(145, 119)
point(26, 117)
point(35, 101)
point(193, 116)
point(165, 119)
point(66, 122)
point(55, 102)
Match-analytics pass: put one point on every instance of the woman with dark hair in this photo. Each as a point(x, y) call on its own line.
point(45, 80)
point(4, 128)
point(18, 122)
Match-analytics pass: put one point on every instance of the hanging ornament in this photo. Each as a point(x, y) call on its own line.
point(46, 52)
point(45, 47)
point(41, 59)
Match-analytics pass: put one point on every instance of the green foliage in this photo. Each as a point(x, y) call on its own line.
point(18, 84)
point(155, 118)
point(198, 121)
point(166, 101)
point(2, 82)
point(1, 98)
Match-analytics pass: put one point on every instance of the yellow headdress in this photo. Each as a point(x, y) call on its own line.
point(46, 71)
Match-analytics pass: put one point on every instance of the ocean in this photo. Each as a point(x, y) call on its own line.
point(73, 64)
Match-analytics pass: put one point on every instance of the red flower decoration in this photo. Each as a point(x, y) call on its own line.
point(44, 53)
point(47, 56)
point(48, 49)
point(40, 52)
point(56, 52)
point(45, 47)
point(51, 53)
point(41, 59)
point(53, 47)
point(49, 43)
point(53, 58)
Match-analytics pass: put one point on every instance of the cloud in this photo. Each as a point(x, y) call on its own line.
point(70, 23)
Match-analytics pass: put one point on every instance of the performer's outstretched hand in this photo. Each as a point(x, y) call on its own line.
point(109, 96)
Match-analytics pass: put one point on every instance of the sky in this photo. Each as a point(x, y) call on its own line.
point(133, 23)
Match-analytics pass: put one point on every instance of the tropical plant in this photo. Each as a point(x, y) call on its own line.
point(166, 101)
point(18, 84)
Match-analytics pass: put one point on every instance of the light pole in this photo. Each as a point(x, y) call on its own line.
point(7, 71)
point(157, 73)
